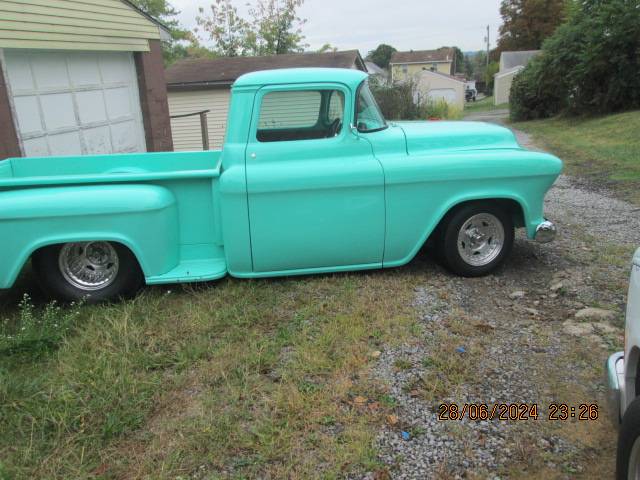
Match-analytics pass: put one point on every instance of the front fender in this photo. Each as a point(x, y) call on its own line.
point(420, 190)
point(141, 217)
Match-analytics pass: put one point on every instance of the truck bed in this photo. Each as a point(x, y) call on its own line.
point(164, 206)
point(36, 171)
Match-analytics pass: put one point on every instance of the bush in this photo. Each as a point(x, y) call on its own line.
point(590, 65)
point(401, 102)
point(36, 331)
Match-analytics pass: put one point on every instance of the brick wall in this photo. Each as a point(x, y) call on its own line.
point(9, 144)
point(153, 98)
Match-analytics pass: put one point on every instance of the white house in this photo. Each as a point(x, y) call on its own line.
point(436, 86)
point(511, 63)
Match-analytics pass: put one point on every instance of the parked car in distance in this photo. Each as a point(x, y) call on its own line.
point(311, 179)
point(470, 94)
point(623, 378)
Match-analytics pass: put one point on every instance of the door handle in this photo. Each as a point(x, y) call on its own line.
point(253, 155)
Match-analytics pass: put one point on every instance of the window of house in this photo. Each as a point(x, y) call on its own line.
point(300, 115)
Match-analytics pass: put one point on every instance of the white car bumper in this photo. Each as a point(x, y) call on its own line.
point(615, 384)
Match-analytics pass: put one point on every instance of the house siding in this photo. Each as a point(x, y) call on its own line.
point(502, 86)
point(74, 25)
point(397, 73)
point(186, 131)
point(430, 83)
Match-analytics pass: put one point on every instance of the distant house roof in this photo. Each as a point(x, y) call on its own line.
point(374, 69)
point(450, 77)
point(511, 60)
point(444, 54)
point(222, 72)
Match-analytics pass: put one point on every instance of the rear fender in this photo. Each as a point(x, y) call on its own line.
point(141, 217)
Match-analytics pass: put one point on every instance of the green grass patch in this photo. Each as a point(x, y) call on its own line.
point(234, 379)
point(606, 150)
point(484, 105)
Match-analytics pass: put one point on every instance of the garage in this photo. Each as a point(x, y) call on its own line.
point(437, 87)
point(81, 78)
point(75, 103)
point(442, 94)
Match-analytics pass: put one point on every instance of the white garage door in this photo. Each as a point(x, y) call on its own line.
point(446, 94)
point(75, 103)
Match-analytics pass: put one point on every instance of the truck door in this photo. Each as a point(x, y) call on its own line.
point(315, 190)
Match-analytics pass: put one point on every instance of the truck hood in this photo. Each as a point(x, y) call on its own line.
point(422, 136)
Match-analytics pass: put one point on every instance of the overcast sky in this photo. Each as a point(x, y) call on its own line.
point(405, 24)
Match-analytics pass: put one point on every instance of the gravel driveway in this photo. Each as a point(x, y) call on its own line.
point(528, 334)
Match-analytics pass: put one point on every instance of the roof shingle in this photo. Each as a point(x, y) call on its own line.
point(444, 54)
point(224, 71)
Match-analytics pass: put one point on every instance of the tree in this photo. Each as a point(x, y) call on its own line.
point(163, 11)
point(274, 28)
point(588, 66)
point(381, 56)
point(527, 23)
point(458, 60)
point(225, 27)
point(327, 47)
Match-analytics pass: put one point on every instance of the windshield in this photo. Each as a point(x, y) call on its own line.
point(368, 115)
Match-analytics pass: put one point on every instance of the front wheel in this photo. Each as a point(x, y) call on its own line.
point(475, 239)
point(88, 271)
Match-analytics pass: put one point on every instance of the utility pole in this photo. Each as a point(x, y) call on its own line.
point(488, 45)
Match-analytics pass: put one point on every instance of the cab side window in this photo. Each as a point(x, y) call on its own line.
point(300, 115)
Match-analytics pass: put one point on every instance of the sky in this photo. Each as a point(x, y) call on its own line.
point(404, 24)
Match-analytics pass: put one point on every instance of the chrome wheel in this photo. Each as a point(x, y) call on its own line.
point(89, 266)
point(634, 461)
point(481, 239)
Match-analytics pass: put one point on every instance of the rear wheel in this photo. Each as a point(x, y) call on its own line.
point(90, 271)
point(475, 239)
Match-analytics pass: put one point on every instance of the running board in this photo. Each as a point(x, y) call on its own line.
point(192, 271)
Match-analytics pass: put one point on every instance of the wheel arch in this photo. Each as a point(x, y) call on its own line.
point(512, 201)
point(41, 244)
point(511, 205)
point(142, 218)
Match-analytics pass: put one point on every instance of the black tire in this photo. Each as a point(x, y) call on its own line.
point(127, 282)
point(628, 435)
point(452, 224)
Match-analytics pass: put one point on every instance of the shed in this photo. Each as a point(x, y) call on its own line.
point(81, 77)
point(197, 85)
point(511, 63)
point(436, 86)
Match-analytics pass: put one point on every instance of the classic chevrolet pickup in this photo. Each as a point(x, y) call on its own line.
point(311, 179)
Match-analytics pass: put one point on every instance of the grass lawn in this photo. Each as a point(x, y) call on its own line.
point(484, 105)
point(233, 379)
point(605, 150)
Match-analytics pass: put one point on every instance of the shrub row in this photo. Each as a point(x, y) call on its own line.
point(590, 65)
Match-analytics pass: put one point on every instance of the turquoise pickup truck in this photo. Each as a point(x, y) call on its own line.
point(311, 179)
